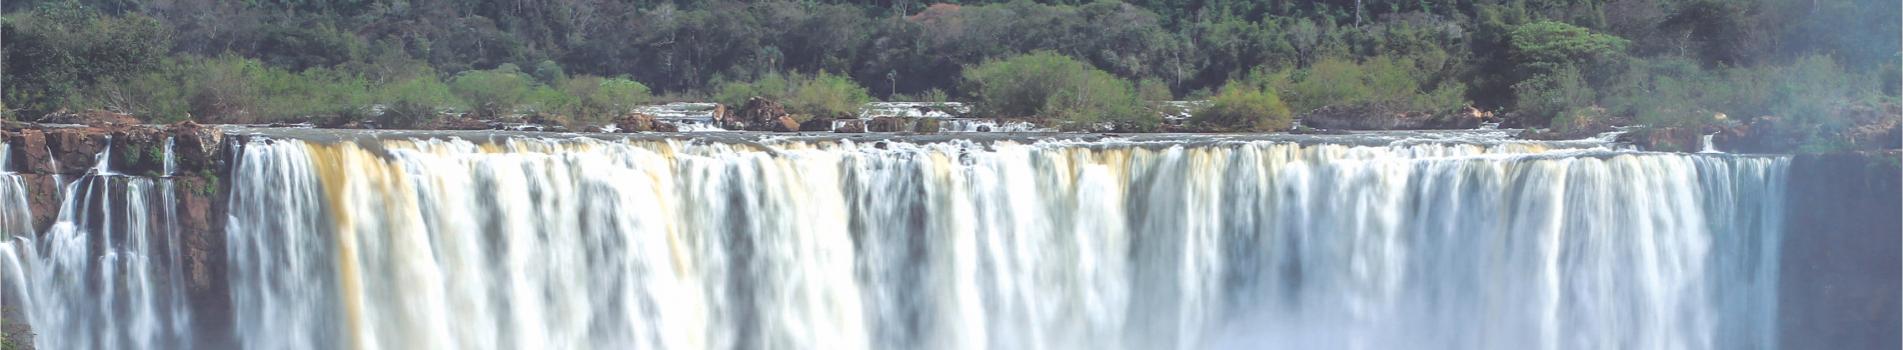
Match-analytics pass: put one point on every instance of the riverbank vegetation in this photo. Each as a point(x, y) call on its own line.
point(1566, 65)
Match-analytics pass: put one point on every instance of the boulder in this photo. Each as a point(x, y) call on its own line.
point(925, 125)
point(817, 124)
point(637, 122)
point(723, 116)
point(851, 126)
point(760, 114)
point(886, 124)
point(784, 124)
point(1665, 139)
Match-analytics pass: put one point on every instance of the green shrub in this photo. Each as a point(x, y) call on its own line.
point(414, 102)
point(592, 100)
point(826, 95)
point(1549, 97)
point(772, 86)
point(1389, 83)
point(1154, 90)
point(1049, 85)
point(805, 96)
point(1244, 107)
point(57, 51)
point(493, 93)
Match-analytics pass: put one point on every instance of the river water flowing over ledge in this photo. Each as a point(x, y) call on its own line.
point(505, 241)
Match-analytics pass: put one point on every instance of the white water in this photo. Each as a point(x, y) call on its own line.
point(170, 165)
point(582, 243)
point(106, 274)
point(913, 109)
point(977, 125)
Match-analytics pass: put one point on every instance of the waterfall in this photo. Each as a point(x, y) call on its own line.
point(169, 165)
point(520, 242)
point(106, 274)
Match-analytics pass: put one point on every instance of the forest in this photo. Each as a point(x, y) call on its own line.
point(1814, 67)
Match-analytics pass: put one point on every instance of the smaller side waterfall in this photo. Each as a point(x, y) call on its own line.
point(171, 157)
point(106, 274)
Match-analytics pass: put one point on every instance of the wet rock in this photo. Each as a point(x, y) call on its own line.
point(638, 122)
point(197, 148)
point(43, 198)
point(851, 126)
point(30, 154)
point(723, 116)
point(138, 151)
point(926, 125)
point(817, 124)
point(1665, 139)
point(759, 114)
point(886, 124)
point(784, 124)
point(76, 149)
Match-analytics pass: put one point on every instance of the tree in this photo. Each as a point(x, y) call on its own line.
point(492, 93)
point(1046, 84)
point(58, 50)
point(1245, 107)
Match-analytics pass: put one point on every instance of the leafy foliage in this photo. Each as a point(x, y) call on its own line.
point(1394, 84)
point(1246, 107)
point(1046, 84)
point(495, 92)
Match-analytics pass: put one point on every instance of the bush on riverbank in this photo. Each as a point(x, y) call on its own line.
point(1401, 86)
point(805, 96)
point(1243, 107)
point(1052, 86)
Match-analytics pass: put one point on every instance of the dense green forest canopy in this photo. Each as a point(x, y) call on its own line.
point(1553, 58)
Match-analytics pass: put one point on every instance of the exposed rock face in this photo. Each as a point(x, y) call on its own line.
point(759, 114)
point(75, 149)
point(639, 122)
point(49, 158)
point(198, 159)
point(1378, 117)
point(925, 125)
point(784, 123)
point(817, 124)
point(722, 116)
point(886, 124)
point(1838, 283)
point(851, 126)
point(1666, 139)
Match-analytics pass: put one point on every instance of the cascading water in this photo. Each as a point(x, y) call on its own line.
point(105, 274)
point(583, 243)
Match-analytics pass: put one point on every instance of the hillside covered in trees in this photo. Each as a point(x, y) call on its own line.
point(1811, 67)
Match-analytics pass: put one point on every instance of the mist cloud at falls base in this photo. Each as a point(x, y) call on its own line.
point(581, 243)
